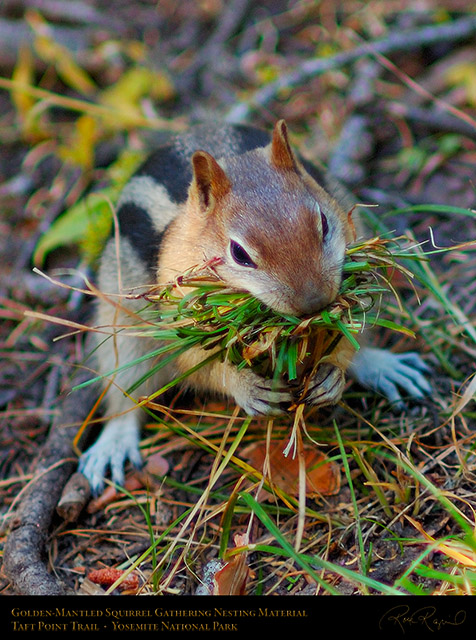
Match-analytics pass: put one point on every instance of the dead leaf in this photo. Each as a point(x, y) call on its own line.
point(468, 395)
point(227, 578)
point(261, 345)
point(232, 579)
point(322, 475)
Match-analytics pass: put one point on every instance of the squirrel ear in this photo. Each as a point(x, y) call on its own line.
point(209, 180)
point(282, 156)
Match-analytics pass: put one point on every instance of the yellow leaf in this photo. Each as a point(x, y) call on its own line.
point(80, 147)
point(60, 57)
point(126, 94)
point(23, 75)
point(28, 109)
point(464, 75)
point(162, 87)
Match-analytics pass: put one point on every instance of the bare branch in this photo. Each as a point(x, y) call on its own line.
point(397, 41)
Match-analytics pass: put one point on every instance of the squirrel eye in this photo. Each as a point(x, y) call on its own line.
point(325, 225)
point(240, 256)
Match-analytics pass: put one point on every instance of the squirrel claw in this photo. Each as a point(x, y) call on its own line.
point(326, 387)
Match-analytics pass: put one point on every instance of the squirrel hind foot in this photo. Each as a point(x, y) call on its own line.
point(390, 374)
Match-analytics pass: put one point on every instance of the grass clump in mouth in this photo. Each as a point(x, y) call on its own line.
point(199, 310)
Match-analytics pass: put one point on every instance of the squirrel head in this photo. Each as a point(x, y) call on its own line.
point(279, 235)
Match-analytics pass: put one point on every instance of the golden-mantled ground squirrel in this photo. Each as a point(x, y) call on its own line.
point(244, 196)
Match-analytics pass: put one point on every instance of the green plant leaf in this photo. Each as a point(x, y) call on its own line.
point(73, 225)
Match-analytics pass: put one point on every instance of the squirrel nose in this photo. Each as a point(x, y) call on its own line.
point(313, 300)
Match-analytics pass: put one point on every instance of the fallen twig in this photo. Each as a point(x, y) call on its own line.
point(24, 550)
point(394, 42)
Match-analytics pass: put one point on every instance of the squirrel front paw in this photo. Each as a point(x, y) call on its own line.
point(326, 386)
point(260, 396)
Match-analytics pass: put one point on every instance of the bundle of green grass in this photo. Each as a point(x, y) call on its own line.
point(199, 310)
